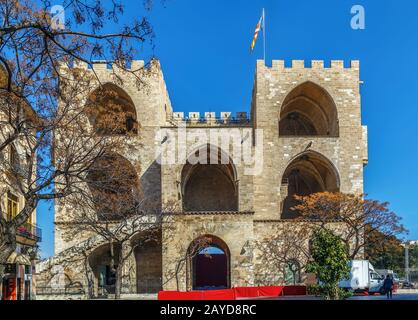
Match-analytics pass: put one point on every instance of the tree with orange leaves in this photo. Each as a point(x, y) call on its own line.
point(352, 215)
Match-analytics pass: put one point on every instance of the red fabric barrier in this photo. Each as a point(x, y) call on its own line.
point(177, 295)
point(218, 295)
point(270, 291)
point(232, 294)
point(246, 292)
point(295, 291)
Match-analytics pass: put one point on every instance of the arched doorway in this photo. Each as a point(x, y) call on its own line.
point(209, 265)
point(114, 185)
point(308, 173)
point(308, 110)
point(103, 263)
point(210, 186)
point(111, 111)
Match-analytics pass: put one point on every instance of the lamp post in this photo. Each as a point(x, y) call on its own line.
point(407, 275)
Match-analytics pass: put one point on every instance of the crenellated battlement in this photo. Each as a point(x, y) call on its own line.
point(211, 118)
point(313, 64)
point(104, 65)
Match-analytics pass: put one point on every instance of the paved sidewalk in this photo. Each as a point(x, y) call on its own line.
point(396, 296)
point(407, 291)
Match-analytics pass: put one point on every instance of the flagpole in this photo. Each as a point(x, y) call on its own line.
point(264, 35)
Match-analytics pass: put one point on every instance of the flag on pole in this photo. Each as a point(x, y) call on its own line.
point(257, 30)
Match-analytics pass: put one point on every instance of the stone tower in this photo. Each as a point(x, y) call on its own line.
point(312, 140)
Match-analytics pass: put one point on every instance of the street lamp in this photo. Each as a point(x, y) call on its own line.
point(407, 275)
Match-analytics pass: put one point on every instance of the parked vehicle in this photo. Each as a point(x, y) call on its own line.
point(393, 275)
point(404, 284)
point(363, 278)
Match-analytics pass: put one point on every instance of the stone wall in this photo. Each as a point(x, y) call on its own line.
point(152, 106)
point(236, 231)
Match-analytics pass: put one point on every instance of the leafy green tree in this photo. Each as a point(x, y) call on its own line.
point(385, 252)
point(413, 256)
point(330, 262)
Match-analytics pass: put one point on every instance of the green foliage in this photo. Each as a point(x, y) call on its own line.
point(314, 290)
point(330, 262)
point(384, 252)
point(344, 294)
point(320, 291)
point(413, 256)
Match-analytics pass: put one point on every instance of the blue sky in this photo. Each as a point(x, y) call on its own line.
point(203, 47)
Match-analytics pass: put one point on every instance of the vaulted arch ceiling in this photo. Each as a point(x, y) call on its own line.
point(210, 186)
point(307, 174)
point(308, 110)
point(112, 111)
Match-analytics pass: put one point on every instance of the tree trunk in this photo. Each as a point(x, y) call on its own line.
point(112, 256)
point(178, 267)
point(118, 282)
point(89, 278)
point(337, 296)
point(115, 269)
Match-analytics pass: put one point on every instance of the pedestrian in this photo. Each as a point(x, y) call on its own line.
point(388, 286)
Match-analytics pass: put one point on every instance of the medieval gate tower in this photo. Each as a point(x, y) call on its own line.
point(312, 141)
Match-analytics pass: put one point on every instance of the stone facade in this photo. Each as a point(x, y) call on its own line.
point(312, 140)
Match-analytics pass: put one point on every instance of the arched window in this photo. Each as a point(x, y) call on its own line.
point(308, 110)
point(113, 182)
point(112, 111)
point(307, 174)
point(209, 187)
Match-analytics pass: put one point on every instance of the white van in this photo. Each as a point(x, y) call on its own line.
point(363, 277)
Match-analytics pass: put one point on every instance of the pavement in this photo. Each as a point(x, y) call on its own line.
point(400, 295)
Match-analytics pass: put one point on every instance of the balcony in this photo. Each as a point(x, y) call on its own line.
point(30, 231)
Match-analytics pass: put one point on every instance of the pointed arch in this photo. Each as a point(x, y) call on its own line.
point(209, 186)
point(103, 268)
point(114, 184)
point(308, 110)
point(307, 173)
point(111, 110)
point(209, 263)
